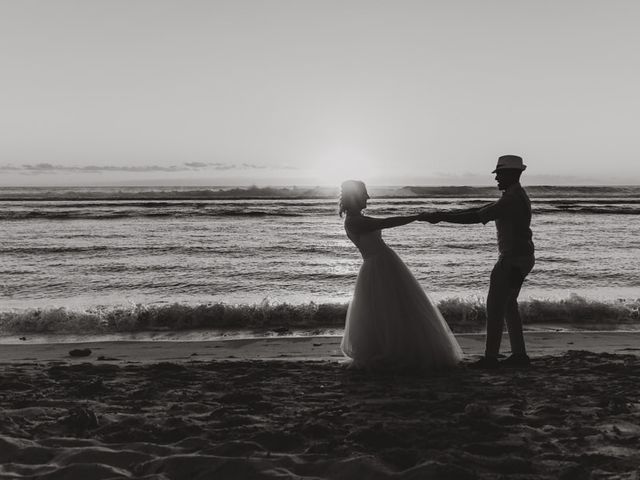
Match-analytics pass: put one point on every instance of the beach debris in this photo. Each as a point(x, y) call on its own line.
point(237, 448)
point(316, 429)
point(477, 410)
point(89, 388)
point(377, 436)
point(245, 397)
point(80, 418)
point(278, 440)
point(80, 352)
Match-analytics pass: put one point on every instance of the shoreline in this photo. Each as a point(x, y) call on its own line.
point(297, 348)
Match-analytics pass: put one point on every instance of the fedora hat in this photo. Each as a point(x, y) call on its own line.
point(510, 162)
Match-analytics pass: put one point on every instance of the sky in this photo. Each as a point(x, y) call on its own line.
point(312, 92)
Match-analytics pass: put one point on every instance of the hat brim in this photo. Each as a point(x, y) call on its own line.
point(521, 169)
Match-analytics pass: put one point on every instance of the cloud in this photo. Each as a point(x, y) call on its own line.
point(50, 168)
point(45, 167)
point(211, 165)
point(195, 164)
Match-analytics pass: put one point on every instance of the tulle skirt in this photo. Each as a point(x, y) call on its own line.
point(391, 322)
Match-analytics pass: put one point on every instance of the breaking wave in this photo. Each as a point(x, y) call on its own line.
point(82, 211)
point(99, 215)
point(254, 192)
point(463, 315)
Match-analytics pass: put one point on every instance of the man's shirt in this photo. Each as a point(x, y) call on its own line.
point(512, 214)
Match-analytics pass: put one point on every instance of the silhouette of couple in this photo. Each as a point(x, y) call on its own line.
point(392, 323)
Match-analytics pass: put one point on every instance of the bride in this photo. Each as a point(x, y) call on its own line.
point(391, 322)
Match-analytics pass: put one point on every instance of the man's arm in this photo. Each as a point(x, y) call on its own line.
point(466, 216)
point(484, 214)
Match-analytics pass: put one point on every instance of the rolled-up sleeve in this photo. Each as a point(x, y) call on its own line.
point(495, 210)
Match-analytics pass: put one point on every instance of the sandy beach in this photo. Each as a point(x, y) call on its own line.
point(284, 407)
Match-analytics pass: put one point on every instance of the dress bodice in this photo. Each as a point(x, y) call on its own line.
point(369, 243)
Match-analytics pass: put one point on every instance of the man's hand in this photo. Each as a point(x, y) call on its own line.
point(431, 217)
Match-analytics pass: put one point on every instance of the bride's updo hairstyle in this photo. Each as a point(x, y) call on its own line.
point(351, 194)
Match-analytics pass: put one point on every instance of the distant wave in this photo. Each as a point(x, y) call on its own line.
point(52, 250)
point(161, 193)
point(534, 191)
point(600, 209)
point(463, 315)
point(82, 211)
point(191, 193)
point(468, 246)
point(115, 214)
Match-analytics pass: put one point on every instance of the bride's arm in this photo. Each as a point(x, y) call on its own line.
point(369, 224)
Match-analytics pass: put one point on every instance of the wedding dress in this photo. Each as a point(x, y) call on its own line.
point(391, 322)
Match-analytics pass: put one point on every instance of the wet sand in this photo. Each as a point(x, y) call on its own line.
point(326, 348)
point(286, 408)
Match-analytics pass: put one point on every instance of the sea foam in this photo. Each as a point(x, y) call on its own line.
point(463, 315)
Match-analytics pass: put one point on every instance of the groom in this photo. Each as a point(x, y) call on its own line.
point(512, 214)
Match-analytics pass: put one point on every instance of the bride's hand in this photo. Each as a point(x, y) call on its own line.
point(431, 217)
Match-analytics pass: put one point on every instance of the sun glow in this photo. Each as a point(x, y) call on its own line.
point(343, 163)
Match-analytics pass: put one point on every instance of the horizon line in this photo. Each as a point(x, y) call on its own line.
point(299, 185)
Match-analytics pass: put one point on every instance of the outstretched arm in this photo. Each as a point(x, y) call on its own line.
point(465, 216)
point(369, 224)
point(469, 216)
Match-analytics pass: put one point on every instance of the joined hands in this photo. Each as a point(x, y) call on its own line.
point(431, 217)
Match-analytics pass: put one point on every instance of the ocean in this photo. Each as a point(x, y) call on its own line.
point(187, 263)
